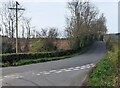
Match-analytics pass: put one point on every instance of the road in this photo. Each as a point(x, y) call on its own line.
point(66, 72)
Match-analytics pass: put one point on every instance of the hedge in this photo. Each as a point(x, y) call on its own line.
point(13, 57)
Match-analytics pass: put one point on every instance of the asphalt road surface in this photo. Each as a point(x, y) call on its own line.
point(66, 72)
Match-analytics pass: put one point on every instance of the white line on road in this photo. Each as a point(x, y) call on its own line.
point(33, 73)
point(16, 77)
point(6, 76)
point(21, 77)
point(54, 71)
point(62, 69)
point(76, 69)
point(38, 74)
point(46, 73)
point(87, 66)
point(58, 71)
point(70, 68)
point(67, 70)
point(82, 68)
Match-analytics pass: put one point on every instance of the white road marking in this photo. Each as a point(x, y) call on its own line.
point(6, 76)
point(21, 77)
point(41, 72)
point(62, 69)
point(58, 71)
point(53, 71)
point(76, 69)
point(70, 68)
point(67, 70)
point(33, 73)
point(92, 65)
point(16, 77)
point(87, 66)
point(38, 74)
point(46, 73)
point(82, 68)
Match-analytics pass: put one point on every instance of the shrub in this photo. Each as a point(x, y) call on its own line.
point(12, 58)
point(7, 48)
point(110, 44)
point(37, 46)
point(43, 45)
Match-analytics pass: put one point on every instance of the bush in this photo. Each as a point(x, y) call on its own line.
point(7, 48)
point(43, 45)
point(110, 44)
point(12, 58)
point(37, 46)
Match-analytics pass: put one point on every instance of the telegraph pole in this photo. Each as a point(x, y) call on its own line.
point(17, 23)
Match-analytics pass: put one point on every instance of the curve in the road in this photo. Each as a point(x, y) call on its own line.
point(93, 55)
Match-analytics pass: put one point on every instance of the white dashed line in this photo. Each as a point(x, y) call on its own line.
point(67, 70)
point(70, 68)
point(87, 66)
point(82, 68)
point(6, 76)
point(21, 77)
point(46, 73)
point(16, 77)
point(76, 69)
point(38, 74)
point(92, 65)
point(53, 71)
point(33, 73)
point(58, 71)
point(62, 69)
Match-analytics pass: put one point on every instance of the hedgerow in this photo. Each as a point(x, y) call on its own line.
point(11, 58)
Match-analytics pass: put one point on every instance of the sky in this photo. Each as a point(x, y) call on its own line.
point(52, 13)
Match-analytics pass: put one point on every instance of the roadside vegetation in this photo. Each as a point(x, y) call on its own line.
point(30, 58)
point(106, 73)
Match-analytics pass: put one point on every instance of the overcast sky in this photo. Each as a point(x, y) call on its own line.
point(52, 13)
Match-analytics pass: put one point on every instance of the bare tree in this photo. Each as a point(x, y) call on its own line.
point(26, 27)
point(101, 24)
point(7, 18)
point(44, 32)
point(80, 23)
point(23, 30)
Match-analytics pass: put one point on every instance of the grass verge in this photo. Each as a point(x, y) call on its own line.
point(106, 72)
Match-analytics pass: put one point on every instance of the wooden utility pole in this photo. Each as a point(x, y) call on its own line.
point(17, 23)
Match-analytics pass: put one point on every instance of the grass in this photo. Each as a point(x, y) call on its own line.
point(106, 72)
point(40, 60)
